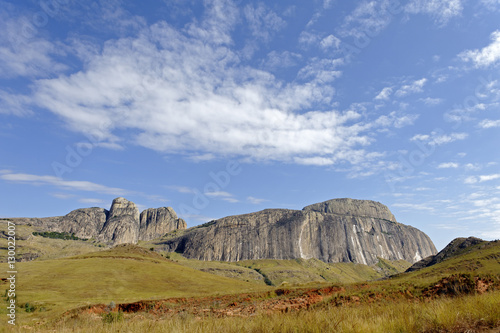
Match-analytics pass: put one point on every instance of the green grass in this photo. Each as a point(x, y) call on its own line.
point(123, 274)
point(44, 248)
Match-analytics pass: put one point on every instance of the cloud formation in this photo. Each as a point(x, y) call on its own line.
point(75, 185)
point(441, 11)
point(486, 56)
point(188, 92)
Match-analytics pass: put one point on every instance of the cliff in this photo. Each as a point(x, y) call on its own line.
point(340, 230)
point(121, 224)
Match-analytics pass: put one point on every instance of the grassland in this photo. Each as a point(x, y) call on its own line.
point(294, 272)
point(42, 248)
point(71, 294)
point(473, 313)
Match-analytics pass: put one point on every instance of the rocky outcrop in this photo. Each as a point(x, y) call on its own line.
point(341, 230)
point(456, 247)
point(121, 224)
point(85, 223)
point(157, 222)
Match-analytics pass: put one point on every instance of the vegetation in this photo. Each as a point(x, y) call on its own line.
point(57, 235)
point(69, 294)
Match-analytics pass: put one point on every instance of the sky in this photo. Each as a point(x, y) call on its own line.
point(221, 107)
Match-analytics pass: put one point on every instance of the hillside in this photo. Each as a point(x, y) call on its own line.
point(456, 295)
point(123, 274)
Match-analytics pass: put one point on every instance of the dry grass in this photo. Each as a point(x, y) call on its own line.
point(463, 314)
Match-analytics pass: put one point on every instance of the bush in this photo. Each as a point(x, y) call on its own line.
point(112, 317)
point(58, 235)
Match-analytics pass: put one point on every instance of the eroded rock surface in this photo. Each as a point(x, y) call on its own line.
point(339, 230)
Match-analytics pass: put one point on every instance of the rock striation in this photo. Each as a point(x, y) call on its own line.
point(339, 230)
point(121, 224)
point(159, 221)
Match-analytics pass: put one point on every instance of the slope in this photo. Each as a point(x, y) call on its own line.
point(122, 274)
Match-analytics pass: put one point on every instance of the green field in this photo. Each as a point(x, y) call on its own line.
point(67, 288)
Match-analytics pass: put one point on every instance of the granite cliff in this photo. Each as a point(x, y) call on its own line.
point(339, 230)
point(121, 224)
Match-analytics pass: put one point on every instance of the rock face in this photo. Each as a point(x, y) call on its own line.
point(84, 222)
point(159, 221)
point(121, 224)
point(456, 247)
point(340, 230)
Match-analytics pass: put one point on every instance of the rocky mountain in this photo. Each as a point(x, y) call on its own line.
point(456, 247)
point(339, 230)
point(121, 224)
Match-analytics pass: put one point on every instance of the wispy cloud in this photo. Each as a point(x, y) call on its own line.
point(487, 123)
point(432, 101)
point(256, 201)
point(372, 16)
point(74, 185)
point(384, 94)
point(22, 52)
point(436, 139)
point(226, 196)
point(185, 91)
point(412, 206)
point(92, 201)
point(263, 21)
point(411, 88)
point(182, 189)
point(481, 179)
point(441, 11)
point(485, 57)
point(448, 165)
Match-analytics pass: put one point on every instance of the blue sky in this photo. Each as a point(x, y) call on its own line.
point(222, 107)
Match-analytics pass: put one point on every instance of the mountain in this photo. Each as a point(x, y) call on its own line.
point(339, 230)
point(458, 246)
point(121, 224)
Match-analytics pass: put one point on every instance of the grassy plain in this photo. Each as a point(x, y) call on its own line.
point(70, 294)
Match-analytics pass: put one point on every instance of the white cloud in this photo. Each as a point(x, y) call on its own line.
point(22, 52)
point(448, 165)
point(487, 123)
point(74, 185)
point(92, 201)
point(487, 56)
point(384, 94)
point(441, 11)
point(263, 21)
point(180, 93)
point(412, 206)
point(307, 38)
point(226, 196)
point(283, 59)
point(491, 4)
point(485, 178)
point(321, 70)
point(18, 105)
point(182, 189)
point(395, 119)
point(368, 17)
point(432, 101)
point(256, 201)
point(437, 139)
point(414, 87)
point(330, 42)
point(482, 178)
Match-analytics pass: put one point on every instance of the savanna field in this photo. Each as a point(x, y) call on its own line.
point(132, 288)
